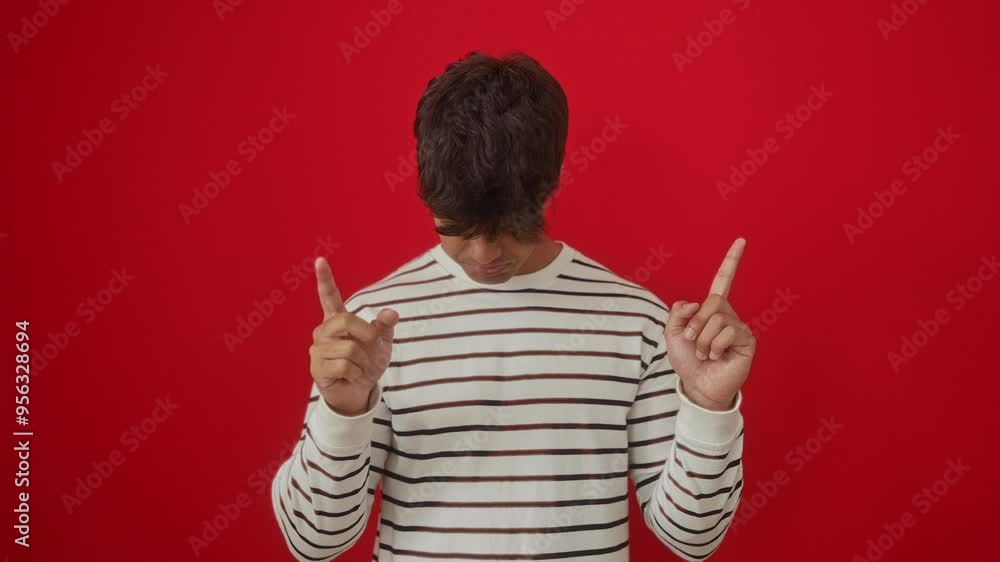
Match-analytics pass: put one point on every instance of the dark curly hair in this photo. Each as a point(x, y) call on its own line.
point(491, 136)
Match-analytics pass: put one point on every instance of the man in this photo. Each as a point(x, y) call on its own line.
point(502, 386)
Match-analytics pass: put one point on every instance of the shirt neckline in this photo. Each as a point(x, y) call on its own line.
point(536, 279)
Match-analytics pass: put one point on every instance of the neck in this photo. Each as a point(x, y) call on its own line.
point(543, 254)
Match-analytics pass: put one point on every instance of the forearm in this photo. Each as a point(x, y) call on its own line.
point(700, 484)
point(320, 494)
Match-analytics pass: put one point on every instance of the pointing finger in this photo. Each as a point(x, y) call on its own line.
point(329, 295)
point(724, 278)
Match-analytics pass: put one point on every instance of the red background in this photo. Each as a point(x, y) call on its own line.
point(654, 186)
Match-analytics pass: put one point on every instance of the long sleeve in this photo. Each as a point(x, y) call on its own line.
point(323, 494)
point(685, 461)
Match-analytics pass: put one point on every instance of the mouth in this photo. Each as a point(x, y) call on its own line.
point(489, 269)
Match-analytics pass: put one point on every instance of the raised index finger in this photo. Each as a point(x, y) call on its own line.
point(724, 278)
point(329, 295)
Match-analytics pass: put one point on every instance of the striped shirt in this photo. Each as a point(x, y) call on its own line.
point(509, 423)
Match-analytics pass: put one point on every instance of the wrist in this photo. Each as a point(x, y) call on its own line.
point(713, 429)
point(346, 412)
point(351, 410)
point(333, 430)
point(714, 405)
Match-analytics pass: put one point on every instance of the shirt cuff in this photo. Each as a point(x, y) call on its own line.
point(708, 428)
point(335, 431)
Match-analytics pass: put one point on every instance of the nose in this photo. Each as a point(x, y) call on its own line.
point(483, 251)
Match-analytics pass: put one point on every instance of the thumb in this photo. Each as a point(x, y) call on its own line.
point(385, 323)
point(680, 314)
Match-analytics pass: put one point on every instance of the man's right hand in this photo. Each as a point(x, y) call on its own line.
point(348, 354)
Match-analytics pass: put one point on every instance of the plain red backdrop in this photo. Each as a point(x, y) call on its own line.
point(323, 176)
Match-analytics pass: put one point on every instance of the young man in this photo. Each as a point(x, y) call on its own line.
point(503, 387)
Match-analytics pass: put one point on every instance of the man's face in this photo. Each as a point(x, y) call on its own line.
point(487, 261)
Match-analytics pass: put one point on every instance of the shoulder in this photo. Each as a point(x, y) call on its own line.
point(421, 269)
point(586, 273)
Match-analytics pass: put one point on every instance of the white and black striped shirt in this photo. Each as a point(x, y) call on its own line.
point(509, 423)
